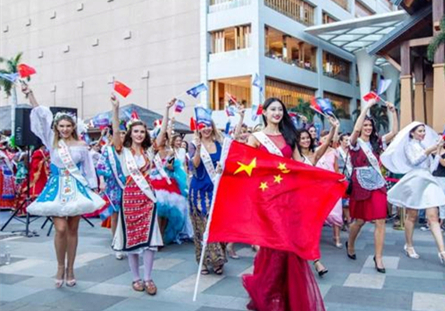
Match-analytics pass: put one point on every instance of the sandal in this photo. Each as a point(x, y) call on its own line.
point(72, 282)
point(205, 271)
point(150, 288)
point(219, 270)
point(322, 271)
point(58, 283)
point(138, 286)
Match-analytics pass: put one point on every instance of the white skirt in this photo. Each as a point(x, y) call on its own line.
point(441, 181)
point(65, 197)
point(418, 189)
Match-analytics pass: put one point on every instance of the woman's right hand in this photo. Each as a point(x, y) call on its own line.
point(25, 88)
point(114, 101)
point(371, 103)
point(333, 122)
point(197, 142)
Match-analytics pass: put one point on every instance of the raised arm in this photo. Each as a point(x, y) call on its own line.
point(29, 94)
point(322, 149)
point(197, 156)
point(239, 126)
point(116, 131)
point(395, 124)
point(160, 140)
point(359, 123)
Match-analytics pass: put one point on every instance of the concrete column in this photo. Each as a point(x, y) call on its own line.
point(204, 50)
point(438, 97)
point(406, 92)
point(419, 91)
point(391, 73)
point(429, 93)
point(365, 64)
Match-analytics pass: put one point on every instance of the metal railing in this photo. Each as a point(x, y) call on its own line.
point(222, 5)
point(298, 10)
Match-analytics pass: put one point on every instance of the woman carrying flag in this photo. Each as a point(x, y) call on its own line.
point(205, 158)
point(112, 182)
point(68, 193)
point(137, 231)
point(368, 200)
point(281, 281)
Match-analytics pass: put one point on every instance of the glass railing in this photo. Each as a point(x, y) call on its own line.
point(293, 62)
point(338, 76)
point(298, 10)
point(222, 5)
point(230, 55)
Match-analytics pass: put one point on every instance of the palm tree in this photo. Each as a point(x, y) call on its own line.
point(304, 108)
point(437, 41)
point(9, 87)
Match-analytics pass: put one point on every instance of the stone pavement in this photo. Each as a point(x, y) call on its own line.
point(104, 282)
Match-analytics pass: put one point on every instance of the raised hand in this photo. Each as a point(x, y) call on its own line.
point(25, 88)
point(372, 102)
point(390, 106)
point(333, 122)
point(114, 101)
point(171, 103)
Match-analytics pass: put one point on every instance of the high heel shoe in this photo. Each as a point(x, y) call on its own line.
point(353, 256)
point(58, 283)
point(411, 252)
point(322, 271)
point(442, 257)
point(337, 242)
point(72, 282)
point(380, 270)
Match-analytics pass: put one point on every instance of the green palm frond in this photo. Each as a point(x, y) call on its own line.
point(437, 41)
point(11, 67)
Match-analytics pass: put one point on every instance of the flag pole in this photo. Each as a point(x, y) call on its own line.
point(226, 146)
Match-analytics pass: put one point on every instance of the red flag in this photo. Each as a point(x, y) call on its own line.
point(371, 95)
point(192, 124)
point(134, 115)
point(260, 110)
point(315, 106)
point(121, 88)
point(25, 71)
point(267, 200)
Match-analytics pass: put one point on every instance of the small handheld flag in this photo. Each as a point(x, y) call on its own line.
point(326, 106)
point(257, 82)
point(231, 110)
point(25, 71)
point(122, 89)
point(371, 95)
point(383, 86)
point(192, 124)
point(179, 106)
point(315, 106)
point(101, 120)
point(203, 116)
point(11, 77)
point(196, 90)
point(135, 115)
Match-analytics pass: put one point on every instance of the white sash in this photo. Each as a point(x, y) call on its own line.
point(346, 159)
point(65, 156)
point(268, 143)
point(137, 176)
point(7, 161)
point(370, 155)
point(160, 167)
point(113, 164)
point(208, 164)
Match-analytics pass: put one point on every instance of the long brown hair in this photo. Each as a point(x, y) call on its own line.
point(128, 141)
point(56, 131)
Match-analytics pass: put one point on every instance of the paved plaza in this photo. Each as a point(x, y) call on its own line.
point(104, 282)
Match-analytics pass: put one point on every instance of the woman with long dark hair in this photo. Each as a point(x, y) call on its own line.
point(137, 231)
point(368, 200)
point(68, 193)
point(281, 280)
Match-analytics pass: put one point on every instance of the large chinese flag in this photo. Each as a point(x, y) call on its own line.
point(271, 201)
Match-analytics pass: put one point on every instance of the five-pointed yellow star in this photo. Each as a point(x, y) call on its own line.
point(263, 186)
point(246, 168)
point(278, 179)
point(282, 166)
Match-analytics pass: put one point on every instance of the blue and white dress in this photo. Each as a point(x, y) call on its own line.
point(64, 195)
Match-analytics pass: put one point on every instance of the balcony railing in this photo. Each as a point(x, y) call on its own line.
point(298, 10)
point(343, 3)
point(338, 76)
point(222, 5)
point(230, 55)
point(293, 62)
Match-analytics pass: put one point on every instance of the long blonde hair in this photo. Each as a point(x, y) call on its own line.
point(216, 134)
point(56, 131)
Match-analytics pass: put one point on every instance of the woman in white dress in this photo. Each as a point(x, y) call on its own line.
point(411, 153)
point(68, 193)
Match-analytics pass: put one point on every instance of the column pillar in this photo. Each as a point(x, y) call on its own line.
point(429, 93)
point(419, 91)
point(406, 92)
point(438, 68)
point(365, 64)
point(391, 73)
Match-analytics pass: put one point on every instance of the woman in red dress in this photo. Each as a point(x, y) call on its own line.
point(368, 198)
point(281, 281)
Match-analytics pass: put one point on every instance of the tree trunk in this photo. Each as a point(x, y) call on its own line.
point(13, 106)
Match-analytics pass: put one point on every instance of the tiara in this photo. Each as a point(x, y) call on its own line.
point(59, 115)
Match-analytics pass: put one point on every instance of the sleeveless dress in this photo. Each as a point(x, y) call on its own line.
point(281, 280)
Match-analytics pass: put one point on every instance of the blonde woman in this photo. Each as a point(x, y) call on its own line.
point(68, 193)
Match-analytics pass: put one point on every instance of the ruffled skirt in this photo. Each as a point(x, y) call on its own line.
point(65, 196)
point(418, 189)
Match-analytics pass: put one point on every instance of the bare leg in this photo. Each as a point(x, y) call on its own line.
point(60, 244)
point(379, 240)
point(114, 223)
point(231, 250)
point(433, 217)
point(410, 223)
point(336, 235)
point(354, 230)
point(73, 228)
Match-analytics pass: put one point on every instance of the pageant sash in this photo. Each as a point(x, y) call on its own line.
point(65, 156)
point(268, 143)
point(137, 176)
point(113, 165)
point(208, 164)
point(369, 178)
point(345, 157)
point(160, 168)
point(8, 162)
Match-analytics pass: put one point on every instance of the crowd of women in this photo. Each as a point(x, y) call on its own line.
point(153, 188)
